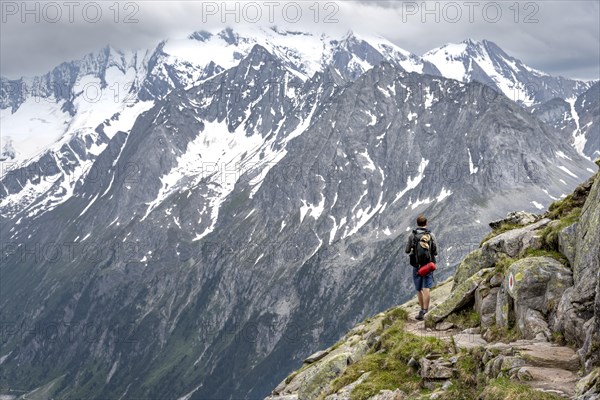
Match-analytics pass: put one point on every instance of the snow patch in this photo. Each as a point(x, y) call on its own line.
point(537, 205)
point(565, 169)
point(412, 183)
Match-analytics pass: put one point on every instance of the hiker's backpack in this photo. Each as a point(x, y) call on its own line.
point(422, 243)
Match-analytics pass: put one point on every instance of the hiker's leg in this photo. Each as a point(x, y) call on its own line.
point(425, 296)
point(427, 284)
point(420, 296)
point(418, 281)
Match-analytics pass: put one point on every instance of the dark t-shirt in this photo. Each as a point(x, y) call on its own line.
point(409, 245)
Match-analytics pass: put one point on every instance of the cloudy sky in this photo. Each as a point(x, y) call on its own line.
point(558, 37)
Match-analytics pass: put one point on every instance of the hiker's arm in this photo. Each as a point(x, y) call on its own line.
point(434, 245)
point(408, 247)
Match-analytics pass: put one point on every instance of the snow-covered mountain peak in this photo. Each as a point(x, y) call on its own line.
point(486, 62)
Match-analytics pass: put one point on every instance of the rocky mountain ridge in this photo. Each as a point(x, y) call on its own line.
point(112, 80)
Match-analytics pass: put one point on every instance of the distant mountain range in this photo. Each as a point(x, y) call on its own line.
point(183, 220)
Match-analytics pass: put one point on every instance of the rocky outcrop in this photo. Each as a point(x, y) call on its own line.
point(522, 218)
point(514, 242)
point(461, 296)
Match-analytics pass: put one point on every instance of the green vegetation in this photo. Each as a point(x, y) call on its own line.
point(501, 229)
point(467, 318)
point(503, 264)
point(561, 208)
point(496, 333)
point(550, 233)
point(393, 314)
point(546, 253)
point(505, 389)
point(558, 338)
point(388, 360)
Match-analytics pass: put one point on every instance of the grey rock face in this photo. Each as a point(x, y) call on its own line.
point(505, 309)
point(570, 318)
point(587, 258)
point(485, 305)
point(567, 242)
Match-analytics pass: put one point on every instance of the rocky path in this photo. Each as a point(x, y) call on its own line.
point(544, 366)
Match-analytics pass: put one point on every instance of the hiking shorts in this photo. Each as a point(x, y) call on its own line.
point(422, 282)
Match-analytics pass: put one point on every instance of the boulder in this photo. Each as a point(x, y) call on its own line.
point(444, 326)
point(468, 341)
point(549, 355)
point(435, 369)
point(459, 298)
point(524, 374)
point(316, 356)
point(496, 280)
point(493, 367)
point(567, 242)
point(589, 351)
point(510, 363)
point(514, 242)
point(538, 282)
point(532, 324)
point(471, 264)
point(515, 218)
point(554, 380)
point(531, 290)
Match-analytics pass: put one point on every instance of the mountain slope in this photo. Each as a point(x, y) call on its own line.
point(235, 217)
point(577, 117)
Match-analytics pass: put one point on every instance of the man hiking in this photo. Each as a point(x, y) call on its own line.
point(422, 248)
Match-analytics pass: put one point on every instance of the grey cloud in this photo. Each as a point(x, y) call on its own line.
point(565, 41)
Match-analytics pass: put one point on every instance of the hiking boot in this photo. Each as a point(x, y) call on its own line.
point(420, 316)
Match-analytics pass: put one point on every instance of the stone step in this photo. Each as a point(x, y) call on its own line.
point(547, 355)
point(468, 341)
point(553, 380)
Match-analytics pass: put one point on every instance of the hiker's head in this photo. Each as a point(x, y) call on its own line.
point(421, 220)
